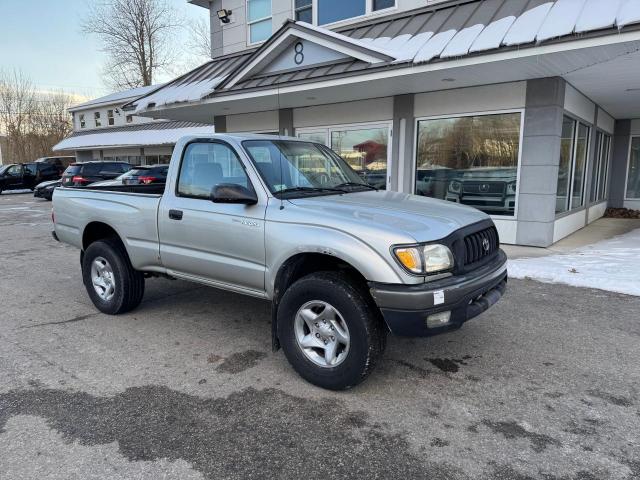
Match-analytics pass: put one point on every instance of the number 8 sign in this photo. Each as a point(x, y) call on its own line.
point(299, 56)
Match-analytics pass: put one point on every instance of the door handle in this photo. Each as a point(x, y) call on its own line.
point(175, 214)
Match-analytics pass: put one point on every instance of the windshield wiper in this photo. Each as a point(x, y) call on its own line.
point(356, 184)
point(309, 189)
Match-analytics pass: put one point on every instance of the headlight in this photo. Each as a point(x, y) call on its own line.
point(511, 188)
point(437, 258)
point(455, 186)
point(424, 259)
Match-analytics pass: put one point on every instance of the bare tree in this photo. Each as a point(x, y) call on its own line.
point(137, 36)
point(17, 105)
point(33, 122)
point(199, 42)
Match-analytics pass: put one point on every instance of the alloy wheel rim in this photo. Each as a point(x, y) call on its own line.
point(103, 279)
point(322, 334)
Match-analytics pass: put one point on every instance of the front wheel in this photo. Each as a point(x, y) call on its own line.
point(330, 331)
point(112, 283)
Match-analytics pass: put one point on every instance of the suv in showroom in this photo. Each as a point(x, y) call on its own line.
point(493, 189)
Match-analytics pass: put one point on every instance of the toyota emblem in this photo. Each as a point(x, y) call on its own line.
point(485, 244)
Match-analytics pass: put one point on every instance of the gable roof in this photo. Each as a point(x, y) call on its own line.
point(434, 33)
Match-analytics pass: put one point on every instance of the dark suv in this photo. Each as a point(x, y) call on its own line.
point(144, 175)
point(81, 174)
point(22, 176)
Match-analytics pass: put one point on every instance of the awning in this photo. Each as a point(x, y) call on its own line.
point(439, 35)
point(139, 135)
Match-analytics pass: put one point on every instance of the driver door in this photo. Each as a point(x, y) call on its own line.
point(221, 243)
point(14, 177)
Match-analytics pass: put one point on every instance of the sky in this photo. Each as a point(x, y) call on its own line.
point(43, 39)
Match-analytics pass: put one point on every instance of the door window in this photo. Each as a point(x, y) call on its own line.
point(206, 165)
point(15, 171)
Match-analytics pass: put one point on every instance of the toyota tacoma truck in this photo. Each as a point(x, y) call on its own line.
point(288, 221)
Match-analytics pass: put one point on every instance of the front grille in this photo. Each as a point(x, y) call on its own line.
point(480, 244)
point(483, 188)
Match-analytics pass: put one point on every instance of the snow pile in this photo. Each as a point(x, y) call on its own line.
point(612, 265)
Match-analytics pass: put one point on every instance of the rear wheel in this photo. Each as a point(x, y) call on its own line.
point(112, 283)
point(330, 331)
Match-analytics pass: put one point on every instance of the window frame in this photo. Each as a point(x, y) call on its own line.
point(414, 162)
point(97, 120)
point(369, 11)
point(599, 159)
point(176, 191)
point(626, 173)
point(574, 146)
point(328, 129)
point(111, 120)
point(81, 120)
point(253, 22)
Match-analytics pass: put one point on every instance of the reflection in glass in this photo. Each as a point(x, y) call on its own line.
point(365, 150)
point(471, 160)
point(582, 140)
point(564, 172)
point(330, 11)
point(318, 137)
point(633, 173)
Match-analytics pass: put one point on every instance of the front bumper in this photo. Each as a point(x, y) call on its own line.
point(405, 308)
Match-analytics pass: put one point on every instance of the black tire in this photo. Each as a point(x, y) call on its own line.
point(366, 329)
point(129, 283)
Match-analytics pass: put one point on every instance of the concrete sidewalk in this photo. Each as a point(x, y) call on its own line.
point(601, 229)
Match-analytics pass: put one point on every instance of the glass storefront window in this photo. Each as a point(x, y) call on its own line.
point(365, 150)
point(564, 172)
point(574, 147)
point(471, 160)
point(633, 171)
point(318, 137)
point(582, 140)
point(600, 167)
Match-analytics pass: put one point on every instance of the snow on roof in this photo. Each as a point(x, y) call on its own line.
point(130, 138)
point(177, 93)
point(116, 97)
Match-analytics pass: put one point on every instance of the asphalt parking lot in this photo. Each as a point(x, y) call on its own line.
point(546, 385)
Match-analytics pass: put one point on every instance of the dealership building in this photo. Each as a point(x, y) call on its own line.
point(525, 109)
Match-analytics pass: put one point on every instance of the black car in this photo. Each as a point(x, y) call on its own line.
point(82, 174)
point(45, 189)
point(22, 176)
point(145, 175)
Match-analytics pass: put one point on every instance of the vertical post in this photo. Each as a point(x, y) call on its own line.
point(401, 173)
point(619, 160)
point(285, 122)
point(220, 123)
point(540, 160)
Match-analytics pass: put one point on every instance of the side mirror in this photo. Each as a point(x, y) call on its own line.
point(233, 193)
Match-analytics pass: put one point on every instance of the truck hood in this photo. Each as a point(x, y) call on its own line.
point(421, 218)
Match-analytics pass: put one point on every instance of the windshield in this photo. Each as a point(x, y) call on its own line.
point(292, 167)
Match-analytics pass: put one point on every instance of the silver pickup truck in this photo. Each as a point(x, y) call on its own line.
point(286, 220)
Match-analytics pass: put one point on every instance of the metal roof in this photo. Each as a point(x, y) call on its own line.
point(434, 33)
point(139, 135)
point(116, 98)
point(137, 127)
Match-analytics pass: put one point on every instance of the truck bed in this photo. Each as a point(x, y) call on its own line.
point(132, 210)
